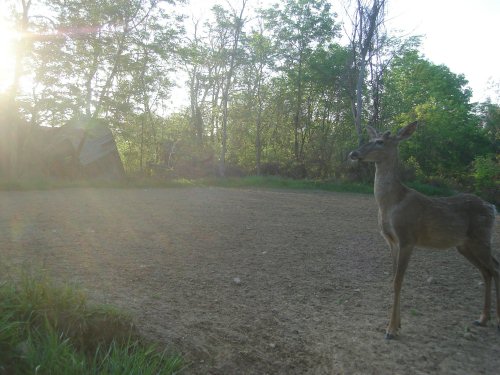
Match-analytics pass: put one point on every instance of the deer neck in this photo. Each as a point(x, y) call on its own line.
point(388, 189)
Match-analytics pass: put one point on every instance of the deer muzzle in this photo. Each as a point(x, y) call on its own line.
point(354, 155)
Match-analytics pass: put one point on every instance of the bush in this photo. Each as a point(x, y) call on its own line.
point(48, 329)
point(486, 173)
point(411, 170)
point(295, 170)
point(270, 169)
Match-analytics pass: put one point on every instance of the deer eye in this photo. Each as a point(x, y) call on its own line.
point(379, 142)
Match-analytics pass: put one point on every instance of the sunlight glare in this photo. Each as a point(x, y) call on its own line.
point(7, 55)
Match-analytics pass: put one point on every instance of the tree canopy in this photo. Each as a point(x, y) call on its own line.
point(269, 91)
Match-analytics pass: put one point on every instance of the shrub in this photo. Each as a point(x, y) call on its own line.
point(48, 329)
point(486, 173)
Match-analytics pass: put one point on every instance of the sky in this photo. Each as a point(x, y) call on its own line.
point(461, 34)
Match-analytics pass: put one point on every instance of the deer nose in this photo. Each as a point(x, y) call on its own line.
point(354, 155)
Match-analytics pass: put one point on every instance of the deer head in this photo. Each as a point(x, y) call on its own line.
point(382, 146)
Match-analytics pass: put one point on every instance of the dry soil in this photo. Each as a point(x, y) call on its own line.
point(248, 281)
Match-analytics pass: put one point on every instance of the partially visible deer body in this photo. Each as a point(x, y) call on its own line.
point(408, 219)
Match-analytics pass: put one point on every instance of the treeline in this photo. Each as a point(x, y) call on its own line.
point(284, 90)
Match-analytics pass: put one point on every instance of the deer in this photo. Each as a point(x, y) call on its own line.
point(409, 219)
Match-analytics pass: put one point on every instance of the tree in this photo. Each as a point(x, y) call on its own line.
point(297, 29)
point(450, 135)
point(103, 59)
point(194, 57)
point(236, 26)
point(365, 25)
point(330, 135)
point(258, 59)
point(11, 122)
point(489, 115)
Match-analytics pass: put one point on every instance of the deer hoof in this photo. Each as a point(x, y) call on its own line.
point(479, 323)
point(389, 336)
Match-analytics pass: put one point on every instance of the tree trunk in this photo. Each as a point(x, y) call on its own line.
point(363, 42)
point(297, 117)
point(9, 120)
point(258, 136)
point(359, 103)
point(114, 71)
point(225, 95)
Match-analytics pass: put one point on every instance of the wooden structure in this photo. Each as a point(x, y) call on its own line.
point(79, 149)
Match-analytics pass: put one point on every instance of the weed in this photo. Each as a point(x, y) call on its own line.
point(49, 329)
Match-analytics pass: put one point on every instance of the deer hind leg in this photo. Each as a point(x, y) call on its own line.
point(480, 256)
point(496, 278)
point(403, 258)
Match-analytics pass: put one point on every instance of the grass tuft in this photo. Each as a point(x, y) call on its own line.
point(49, 329)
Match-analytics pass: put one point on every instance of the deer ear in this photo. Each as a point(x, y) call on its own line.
point(407, 131)
point(372, 132)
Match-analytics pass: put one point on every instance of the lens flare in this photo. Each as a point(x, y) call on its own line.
point(8, 39)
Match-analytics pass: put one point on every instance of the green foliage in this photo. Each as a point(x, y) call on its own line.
point(49, 329)
point(300, 29)
point(289, 93)
point(134, 358)
point(450, 136)
point(489, 115)
point(47, 352)
point(432, 189)
point(486, 173)
point(273, 182)
point(298, 26)
point(334, 186)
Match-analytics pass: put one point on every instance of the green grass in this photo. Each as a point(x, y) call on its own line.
point(426, 189)
point(48, 184)
point(49, 329)
point(285, 183)
point(270, 182)
point(335, 186)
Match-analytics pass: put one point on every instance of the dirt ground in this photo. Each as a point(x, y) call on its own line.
point(248, 281)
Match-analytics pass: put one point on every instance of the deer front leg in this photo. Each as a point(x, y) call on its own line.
point(393, 246)
point(394, 255)
point(485, 315)
point(403, 258)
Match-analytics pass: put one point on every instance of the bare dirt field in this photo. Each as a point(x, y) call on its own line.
point(248, 281)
